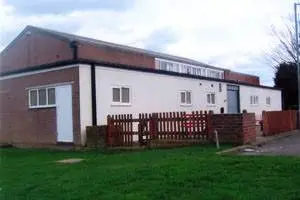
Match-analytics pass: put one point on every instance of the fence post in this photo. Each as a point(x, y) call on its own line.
point(209, 125)
point(153, 126)
point(265, 123)
point(291, 119)
point(109, 127)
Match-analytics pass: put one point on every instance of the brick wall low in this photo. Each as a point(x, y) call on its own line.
point(235, 128)
point(96, 136)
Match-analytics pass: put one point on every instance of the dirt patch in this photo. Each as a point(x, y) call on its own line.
point(70, 160)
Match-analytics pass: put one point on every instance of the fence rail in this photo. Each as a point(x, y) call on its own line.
point(124, 130)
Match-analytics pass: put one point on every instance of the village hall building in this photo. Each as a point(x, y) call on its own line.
point(54, 84)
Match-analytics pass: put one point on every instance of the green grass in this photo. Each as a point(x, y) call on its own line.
point(183, 173)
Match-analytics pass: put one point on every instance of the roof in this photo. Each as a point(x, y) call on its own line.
point(100, 43)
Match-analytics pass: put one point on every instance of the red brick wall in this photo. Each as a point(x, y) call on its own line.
point(32, 50)
point(245, 78)
point(249, 128)
point(235, 128)
point(23, 126)
point(113, 55)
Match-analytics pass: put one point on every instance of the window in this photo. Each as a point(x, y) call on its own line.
point(121, 95)
point(167, 66)
point(254, 100)
point(41, 98)
point(163, 65)
point(220, 87)
point(199, 70)
point(211, 98)
point(185, 98)
point(268, 100)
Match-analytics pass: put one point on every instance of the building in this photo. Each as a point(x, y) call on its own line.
point(53, 85)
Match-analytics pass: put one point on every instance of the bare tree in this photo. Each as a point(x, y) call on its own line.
point(283, 47)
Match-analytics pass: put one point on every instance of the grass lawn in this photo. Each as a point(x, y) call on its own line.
point(183, 173)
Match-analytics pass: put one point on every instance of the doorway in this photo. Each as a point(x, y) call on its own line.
point(64, 114)
point(233, 99)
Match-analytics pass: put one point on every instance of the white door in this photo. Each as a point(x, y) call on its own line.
point(64, 115)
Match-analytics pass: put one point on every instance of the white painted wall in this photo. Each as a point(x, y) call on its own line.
point(153, 93)
point(262, 93)
point(85, 99)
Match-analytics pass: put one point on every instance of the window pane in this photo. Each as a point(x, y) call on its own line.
point(163, 65)
point(188, 70)
point(194, 71)
point(182, 94)
point(51, 96)
point(116, 95)
point(220, 87)
point(33, 98)
point(125, 95)
point(188, 97)
point(208, 98)
point(42, 97)
point(213, 98)
point(268, 100)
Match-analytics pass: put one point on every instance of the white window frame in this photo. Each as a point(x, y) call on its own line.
point(37, 92)
point(210, 103)
point(120, 103)
point(254, 100)
point(185, 103)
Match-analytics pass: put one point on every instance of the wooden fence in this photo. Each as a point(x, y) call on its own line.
point(174, 127)
point(275, 122)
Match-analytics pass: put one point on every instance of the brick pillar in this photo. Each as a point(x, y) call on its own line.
point(234, 128)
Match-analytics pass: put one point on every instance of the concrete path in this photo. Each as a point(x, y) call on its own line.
point(284, 144)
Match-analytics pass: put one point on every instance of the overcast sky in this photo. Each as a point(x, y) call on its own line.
point(233, 34)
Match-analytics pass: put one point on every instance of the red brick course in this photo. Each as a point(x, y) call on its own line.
point(113, 55)
point(235, 128)
point(243, 78)
point(20, 125)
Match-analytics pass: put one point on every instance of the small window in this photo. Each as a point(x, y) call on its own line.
point(220, 87)
point(268, 100)
point(254, 100)
point(121, 95)
point(42, 97)
point(211, 98)
point(185, 98)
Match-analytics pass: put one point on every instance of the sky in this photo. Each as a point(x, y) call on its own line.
point(231, 34)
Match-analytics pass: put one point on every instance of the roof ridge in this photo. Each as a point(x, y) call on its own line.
point(71, 36)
